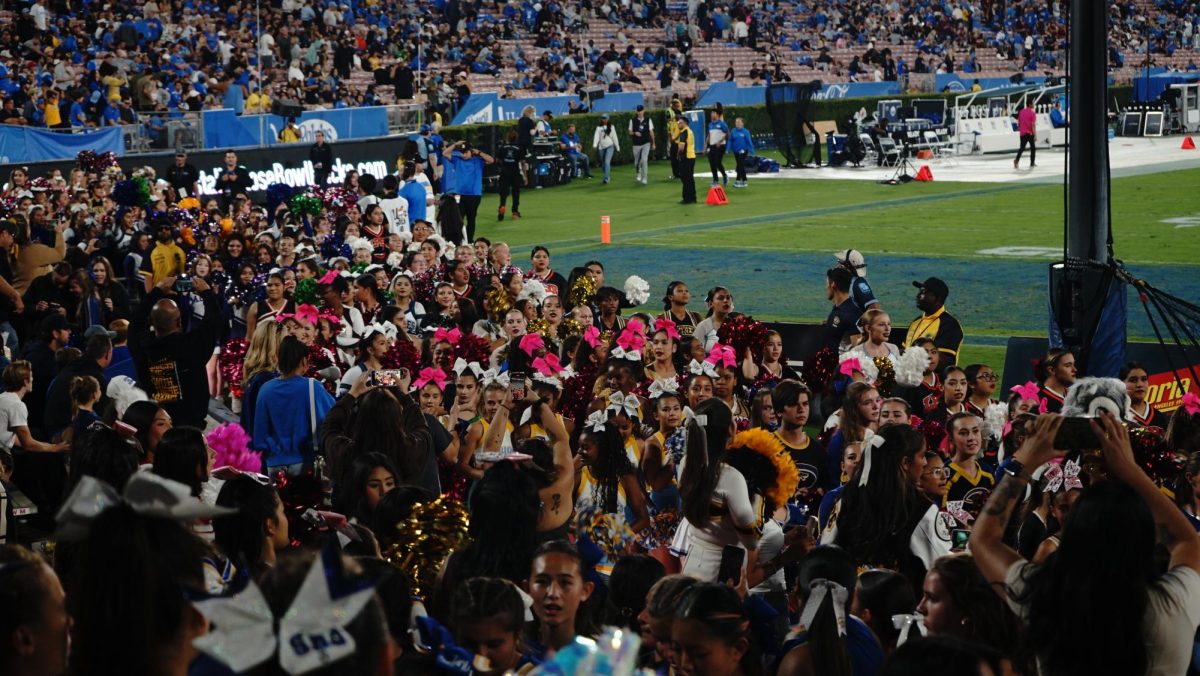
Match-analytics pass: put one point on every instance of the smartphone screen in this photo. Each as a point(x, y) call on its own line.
point(732, 559)
point(516, 385)
point(959, 538)
point(387, 377)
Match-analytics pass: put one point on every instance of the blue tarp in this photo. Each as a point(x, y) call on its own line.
point(20, 144)
point(224, 129)
point(1150, 88)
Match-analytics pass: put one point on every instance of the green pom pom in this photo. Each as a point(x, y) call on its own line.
point(306, 292)
point(304, 205)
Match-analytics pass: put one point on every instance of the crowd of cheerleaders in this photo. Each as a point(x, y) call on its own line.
point(494, 463)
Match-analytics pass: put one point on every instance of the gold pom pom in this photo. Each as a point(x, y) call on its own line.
point(422, 542)
point(570, 327)
point(541, 326)
point(582, 291)
point(887, 376)
point(495, 303)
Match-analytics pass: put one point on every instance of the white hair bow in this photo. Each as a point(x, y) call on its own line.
point(492, 376)
point(870, 441)
point(703, 368)
point(904, 624)
point(597, 421)
point(386, 328)
point(663, 386)
point(624, 403)
point(312, 632)
point(461, 365)
point(146, 493)
point(540, 377)
point(619, 352)
point(690, 415)
point(818, 590)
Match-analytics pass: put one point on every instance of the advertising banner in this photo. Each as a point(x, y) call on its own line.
point(282, 164)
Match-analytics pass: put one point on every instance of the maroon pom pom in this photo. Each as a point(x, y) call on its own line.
point(402, 354)
point(233, 357)
point(472, 348)
point(743, 332)
point(818, 372)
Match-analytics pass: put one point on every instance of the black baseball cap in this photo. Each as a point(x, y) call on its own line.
point(640, 107)
point(935, 286)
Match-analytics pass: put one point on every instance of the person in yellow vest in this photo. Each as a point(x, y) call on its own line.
point(685, 144)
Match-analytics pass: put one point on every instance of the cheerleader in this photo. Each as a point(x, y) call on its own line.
point(269, 307)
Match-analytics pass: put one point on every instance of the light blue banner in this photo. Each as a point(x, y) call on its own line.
point(963, 83)
point(21, 144)
point(224, 129)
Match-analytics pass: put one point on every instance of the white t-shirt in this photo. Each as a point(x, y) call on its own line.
point(13, 414)
point(1171, 616)
point(396, 210)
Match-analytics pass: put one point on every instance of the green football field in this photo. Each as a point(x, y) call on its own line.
point(991, 242)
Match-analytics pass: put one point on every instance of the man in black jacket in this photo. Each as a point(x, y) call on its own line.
point(171, 362)
point(321, 155)
point(54, 333)
point(234, 180)
point(97, 355)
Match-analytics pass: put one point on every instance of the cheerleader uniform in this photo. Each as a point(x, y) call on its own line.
point(1149, 417)
point(735, 518)
point(266, 313)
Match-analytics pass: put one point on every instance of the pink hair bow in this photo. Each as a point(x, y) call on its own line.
point(548, 365)
point(452, 336)
point(850, 366)
point(668, 326)
point(631, 339)
point(1029, 390)
point(531, 343)
point(592, 336)
point(305, 313)
point(1063, 475)
point(1191, 403)
point(722, 355)
point(430, 375)
point(328, 277)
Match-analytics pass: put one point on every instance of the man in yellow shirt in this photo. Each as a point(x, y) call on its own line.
point(165, 261)
point(685, 144)
point(50, 109)
point(290, 132)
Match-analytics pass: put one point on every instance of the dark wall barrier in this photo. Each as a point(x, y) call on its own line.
point(280, 164)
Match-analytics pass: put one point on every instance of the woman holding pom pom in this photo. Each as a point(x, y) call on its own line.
point(720, 305)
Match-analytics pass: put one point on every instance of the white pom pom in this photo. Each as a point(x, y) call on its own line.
point(533, 290)
point(637, 290)
point(395, 260)
point(866, 365)
point(123, 390)
point(994, 418)
point(910, 367)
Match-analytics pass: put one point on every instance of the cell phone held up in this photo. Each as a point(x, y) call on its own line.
point(516, 385)
point(387, 377)
point(733, 558)
point(1076, 434)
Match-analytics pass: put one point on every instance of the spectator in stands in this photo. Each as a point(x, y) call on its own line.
point(97, 355)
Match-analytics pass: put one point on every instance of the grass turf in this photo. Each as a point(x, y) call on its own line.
point(772, 243)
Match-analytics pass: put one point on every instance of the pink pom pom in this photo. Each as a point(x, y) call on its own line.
point(232, 448)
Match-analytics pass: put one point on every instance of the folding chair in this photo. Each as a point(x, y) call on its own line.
point(889, 152)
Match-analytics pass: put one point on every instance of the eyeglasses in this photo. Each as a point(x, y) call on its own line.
point(987, 376)
point(939, 472)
